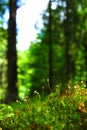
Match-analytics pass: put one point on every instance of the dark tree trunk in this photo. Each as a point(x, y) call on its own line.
point(85, 38)
point(50, 48)
point(85, 51)
point(67, 55)
point(12, 54)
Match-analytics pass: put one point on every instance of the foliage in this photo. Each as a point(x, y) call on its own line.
point(66, 111)
point(23, 73)
point(3, 62)
point(6, 111)
point(68, 49)
point(69, 43)
point(39, 65)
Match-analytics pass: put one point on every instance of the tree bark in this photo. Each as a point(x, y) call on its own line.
point(85, 51)
point(50, 48)
point(67, 42)
point(12, 92)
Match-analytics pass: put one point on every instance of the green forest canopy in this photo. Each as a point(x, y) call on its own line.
point(59, 52)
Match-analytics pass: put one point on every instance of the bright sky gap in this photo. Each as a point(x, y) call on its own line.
point(27, 16)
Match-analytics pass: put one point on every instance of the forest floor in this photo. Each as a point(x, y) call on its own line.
point(55, 112)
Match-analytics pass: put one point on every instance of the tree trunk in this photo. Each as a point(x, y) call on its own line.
point(12, 92)
point(67, 55)
point(50, 48)
point(85, 51)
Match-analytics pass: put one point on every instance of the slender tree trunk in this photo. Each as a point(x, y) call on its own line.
point(67, 42)
point(50, 48)
point(84, 3)
point(12, 54)
point(4, 75)
point(85, 51)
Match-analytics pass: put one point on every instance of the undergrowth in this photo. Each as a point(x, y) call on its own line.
point(67, 111)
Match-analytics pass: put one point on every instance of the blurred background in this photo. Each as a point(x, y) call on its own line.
point(42, 44)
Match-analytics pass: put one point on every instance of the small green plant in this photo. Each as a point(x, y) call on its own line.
point(6, 111)
point(56, 112)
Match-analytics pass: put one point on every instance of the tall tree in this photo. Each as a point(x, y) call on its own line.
point(50, 47)
point(67, 33)
point(84, 8)
point(70, 28)
point(12, 92)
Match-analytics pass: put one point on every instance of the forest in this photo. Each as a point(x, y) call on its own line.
point(45, 86)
